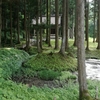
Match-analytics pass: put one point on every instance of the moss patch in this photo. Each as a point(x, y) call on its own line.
point(86, 96)
point(51, 61)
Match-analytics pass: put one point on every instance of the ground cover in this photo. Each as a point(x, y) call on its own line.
point(63, 86)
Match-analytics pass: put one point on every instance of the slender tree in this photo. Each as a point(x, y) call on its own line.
point(41, 24)
point(62, 49)
point(49, 21)
point(47, 17)
point(18, 21)
point(11, 35)
point(57, 24)
point(94, 30)
point(0, 20)
point(98, 47)
point(37, 30)
point(76, 28)
point(83, 91)
point(87, 23)
point(67, 12)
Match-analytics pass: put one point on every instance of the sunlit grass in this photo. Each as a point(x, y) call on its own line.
point(92, 46)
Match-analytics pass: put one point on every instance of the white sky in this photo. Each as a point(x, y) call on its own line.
point(90, 0)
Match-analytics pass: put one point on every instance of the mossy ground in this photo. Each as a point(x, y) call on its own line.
point(53, 61)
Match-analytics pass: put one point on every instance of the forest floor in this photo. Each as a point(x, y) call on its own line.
point(44, 76)
point(36, 81)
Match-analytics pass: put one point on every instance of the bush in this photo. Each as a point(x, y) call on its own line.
point(66, 75)
point(32, 50)
point(48, 74)
point(11, 61)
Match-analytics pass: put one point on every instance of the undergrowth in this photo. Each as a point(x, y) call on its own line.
point(11, 61)
point(53, 61)
point(10, 64)
point(12, 91)
point(93, 54)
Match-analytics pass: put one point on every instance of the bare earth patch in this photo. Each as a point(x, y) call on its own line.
point(38, 82)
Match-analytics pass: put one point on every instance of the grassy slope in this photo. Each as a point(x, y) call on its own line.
point(51, 61)
point(11, 61)
point(13, 91)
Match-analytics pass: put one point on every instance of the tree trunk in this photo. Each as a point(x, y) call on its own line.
point(83, 92)
point(62, 50)
point(98, 47)
point(25, 25)
point(0, 20)
point(48, 22)
point(47, 17)
point(11, 23)
point(18, 29)
point(41, 24)
point(37, 31)
point(94, 30)
point(67, 12)
point(28, 32)
point(86, 23)
point(56, 24)
point(76, 24)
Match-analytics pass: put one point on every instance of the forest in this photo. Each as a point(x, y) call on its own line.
point(49, 49)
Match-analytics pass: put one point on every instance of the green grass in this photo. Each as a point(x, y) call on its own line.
point(93, 54)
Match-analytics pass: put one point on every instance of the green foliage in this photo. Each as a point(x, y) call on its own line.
point(72, 51)
point(10, 61)
point(12, 91)
point(48, 74)
point(92, 85)
point(66, 75)
point(51, 61)
point(32, 50)
point(93, 54)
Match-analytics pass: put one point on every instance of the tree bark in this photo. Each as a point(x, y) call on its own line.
point(94, 30)
point(87, 23)
point(41, 24)
point(37, 31)
point(56, 24)
point(0, 20)
point(18, 29)
point(67, 12)
point(11, 23)
point(76, 24)
point(98, 47)
point(83, 93)
point(48, 15)
point(62, 50)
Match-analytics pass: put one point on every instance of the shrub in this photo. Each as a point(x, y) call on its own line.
point(11, 61)
point(48, 74)
point(32, 50)
point(66, 75)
